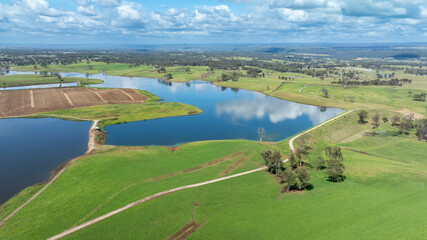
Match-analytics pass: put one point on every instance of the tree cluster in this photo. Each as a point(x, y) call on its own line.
point(419, 97)
point(234, 76)
point(376, 82)
point(295, 177)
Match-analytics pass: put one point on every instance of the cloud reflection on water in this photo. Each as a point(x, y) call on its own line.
point(275, 109)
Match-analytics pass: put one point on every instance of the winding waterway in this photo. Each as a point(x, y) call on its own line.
point(227, 114)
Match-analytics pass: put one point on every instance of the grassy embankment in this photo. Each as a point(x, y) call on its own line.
point(23, 80)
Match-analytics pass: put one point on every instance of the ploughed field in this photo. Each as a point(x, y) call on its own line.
point(24, 102)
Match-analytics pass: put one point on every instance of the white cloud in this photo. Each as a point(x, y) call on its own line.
point(273, 20)
point(128, 11)
point(87, 10)
point(274, 109)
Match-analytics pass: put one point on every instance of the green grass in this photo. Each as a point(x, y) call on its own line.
point(123, 113)
point(18, 200)
point(118, 69)
point(22, 80)
point(381, 198)
point(128, 171)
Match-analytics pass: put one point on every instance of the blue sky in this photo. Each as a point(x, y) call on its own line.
point(212, 21)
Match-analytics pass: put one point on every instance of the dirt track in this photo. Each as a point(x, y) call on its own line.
point(24, 102)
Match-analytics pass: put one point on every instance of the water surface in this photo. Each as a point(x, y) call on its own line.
point(32, 148)
point(227, 114)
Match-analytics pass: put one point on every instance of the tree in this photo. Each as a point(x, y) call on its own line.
point(58, 75)
point(334, 152)
point(168, 76)
point(335, 170)
point(293, 162)
point(320, 163)
point(302, 141)
point(420, 97)
point(385, 119)
point(162, 70)
point(405, 125)
point(300, 153)
point(235, 77)
point(273, 161)
point(288, 177)
point(325, 93)
point(303, 177)
point(261, 133)
point(395, 120)
point(253, 72)
point(225, 77)
point(422, 129)
point(376, 120)
point(363, 115)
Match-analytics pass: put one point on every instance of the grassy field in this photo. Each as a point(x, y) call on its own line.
point(123, 113)
point(22, 80)
point(382, 197)
point(128, 174)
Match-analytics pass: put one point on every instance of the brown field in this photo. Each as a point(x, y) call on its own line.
point(24, 102)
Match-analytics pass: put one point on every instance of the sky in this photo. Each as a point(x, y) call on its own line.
point(128, 22)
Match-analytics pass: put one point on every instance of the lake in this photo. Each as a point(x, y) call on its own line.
point(227, 114)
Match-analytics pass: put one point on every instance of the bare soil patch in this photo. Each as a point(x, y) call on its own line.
point(25, 102)
point(234, 166)
point(185, 231)
point(408, 112)
point(173, 149)
point(198, 167)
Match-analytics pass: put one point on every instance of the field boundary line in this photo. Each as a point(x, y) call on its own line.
point(99, 95)
point(90, 148)
point(68, 99)
point(32, 99)
point(127, 94)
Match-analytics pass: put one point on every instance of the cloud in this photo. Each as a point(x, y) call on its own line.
point(256, 20)
point(275, 110)
point(87, 10)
